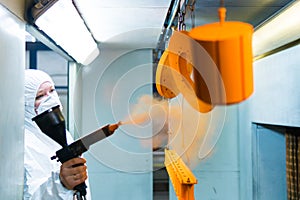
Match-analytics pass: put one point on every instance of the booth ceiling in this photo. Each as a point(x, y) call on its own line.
point(136, 21)
point(249, 11)
point(124, 21)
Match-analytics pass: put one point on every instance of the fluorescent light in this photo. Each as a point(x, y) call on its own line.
point(278, 31)
point(63, 24)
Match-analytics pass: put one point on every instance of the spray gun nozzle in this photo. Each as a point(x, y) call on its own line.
point(113, 127)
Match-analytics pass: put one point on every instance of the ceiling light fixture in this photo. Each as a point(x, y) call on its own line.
point(60, 21)
point(280, 29)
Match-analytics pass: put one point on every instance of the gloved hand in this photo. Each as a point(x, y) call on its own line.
point(73, 172)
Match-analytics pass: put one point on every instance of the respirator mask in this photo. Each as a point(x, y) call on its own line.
point(48, 102)
point(50, 119)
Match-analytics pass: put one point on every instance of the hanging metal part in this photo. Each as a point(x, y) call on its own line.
point(229, 44)
point(181, 176)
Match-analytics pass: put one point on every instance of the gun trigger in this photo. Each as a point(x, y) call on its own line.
point(53, 157)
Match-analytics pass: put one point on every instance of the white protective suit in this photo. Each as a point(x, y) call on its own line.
point(41, 176)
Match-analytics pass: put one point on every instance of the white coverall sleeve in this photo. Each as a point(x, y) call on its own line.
point(52, 189)
point(42, 180)
point(37, 188)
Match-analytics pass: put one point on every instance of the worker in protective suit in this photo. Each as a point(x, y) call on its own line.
point(45, 178)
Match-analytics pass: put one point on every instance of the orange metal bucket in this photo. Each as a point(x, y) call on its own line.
point(229, 44)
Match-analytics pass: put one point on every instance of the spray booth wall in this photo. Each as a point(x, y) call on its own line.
point(120, 167)
point(215, 146)
point(275, 107)
point(12, 62)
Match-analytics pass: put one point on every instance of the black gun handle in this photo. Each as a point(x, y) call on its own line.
point(81, 188)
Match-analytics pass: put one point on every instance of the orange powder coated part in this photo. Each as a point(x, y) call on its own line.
point(181, 176)
point(173, 77)
point(182, 73)
point(230, 46)
point(165, 84)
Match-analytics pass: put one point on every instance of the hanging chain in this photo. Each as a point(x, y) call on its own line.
point(192, 9)
point(222, 4)
point(181, 24)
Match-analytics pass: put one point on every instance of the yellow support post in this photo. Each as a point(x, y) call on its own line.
point(181, 176)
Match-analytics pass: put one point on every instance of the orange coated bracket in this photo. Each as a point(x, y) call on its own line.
point(165, 83)
point(182, 70)
point(173, 77)
point(181, 176)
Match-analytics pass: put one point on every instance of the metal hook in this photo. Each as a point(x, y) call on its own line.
point(222, 3)
point(181, 24)
point(192, 9)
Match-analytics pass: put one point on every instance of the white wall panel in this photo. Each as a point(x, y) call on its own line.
point(277, 89)
point(120, 167)
point(12, 64)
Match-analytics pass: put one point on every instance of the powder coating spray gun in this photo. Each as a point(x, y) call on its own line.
point(52, 123)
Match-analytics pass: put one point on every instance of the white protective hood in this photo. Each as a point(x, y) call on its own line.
point(41, 179)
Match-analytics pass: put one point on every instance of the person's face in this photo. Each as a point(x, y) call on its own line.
point(44, 90)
